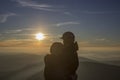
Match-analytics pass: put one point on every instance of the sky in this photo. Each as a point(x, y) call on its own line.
point(95, 23)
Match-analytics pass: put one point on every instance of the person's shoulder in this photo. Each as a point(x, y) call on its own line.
point(47, 57)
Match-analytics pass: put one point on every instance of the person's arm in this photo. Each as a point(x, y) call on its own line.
point(76, 46)
point(45, 58)
point(73, 58)
point(73, 63)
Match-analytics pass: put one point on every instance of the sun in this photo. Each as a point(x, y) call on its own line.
point(39, 36)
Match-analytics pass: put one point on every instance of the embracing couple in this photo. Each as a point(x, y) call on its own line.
point(63, 62)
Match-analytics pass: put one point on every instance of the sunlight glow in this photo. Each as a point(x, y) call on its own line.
point(40, 36)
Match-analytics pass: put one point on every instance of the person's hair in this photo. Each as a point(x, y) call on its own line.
point(68, 35)
point(56, 48)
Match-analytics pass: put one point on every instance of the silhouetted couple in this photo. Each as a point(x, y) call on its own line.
point(63, 62)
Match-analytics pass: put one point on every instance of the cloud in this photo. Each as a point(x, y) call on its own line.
point(102, 40)
point(23, 43)
point(35, 5)
point(100, 12)
point(67, 23)
point(42, 6)
point(4, 17)
point(14, 31)
point(68, 13)
point(83, 42)
point(94, 12)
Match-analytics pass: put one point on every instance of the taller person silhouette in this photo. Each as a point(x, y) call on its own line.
point(70, 56)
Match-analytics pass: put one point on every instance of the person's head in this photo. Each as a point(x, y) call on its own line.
point(56, 48)
point(68, 38)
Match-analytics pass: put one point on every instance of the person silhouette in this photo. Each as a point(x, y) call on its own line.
point(63, 62)
point(70, 56)
point(53, 66)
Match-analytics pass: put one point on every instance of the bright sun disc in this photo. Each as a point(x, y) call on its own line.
point(40, 36)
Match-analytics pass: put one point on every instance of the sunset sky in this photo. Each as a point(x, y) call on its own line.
point(96, 23)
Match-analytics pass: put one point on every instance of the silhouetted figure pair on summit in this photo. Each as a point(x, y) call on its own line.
point(63, 62)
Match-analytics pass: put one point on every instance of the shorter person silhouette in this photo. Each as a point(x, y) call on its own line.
point(53, 65)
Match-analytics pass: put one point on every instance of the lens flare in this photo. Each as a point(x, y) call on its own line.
point(40, 36)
